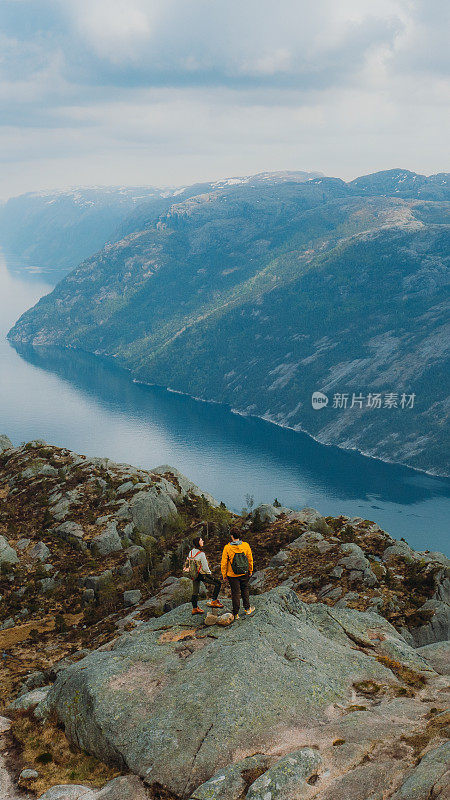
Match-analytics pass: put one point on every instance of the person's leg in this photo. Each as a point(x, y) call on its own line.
point(195, 592)
point(210, 580)
point(235, 594)
point(216, 584)
point(244, 589)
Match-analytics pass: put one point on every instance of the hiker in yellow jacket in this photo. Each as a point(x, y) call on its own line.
point(236, 567)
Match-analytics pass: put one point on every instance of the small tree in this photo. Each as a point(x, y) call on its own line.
point(250, 501)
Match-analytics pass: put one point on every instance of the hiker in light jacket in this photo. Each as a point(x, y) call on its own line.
point(204, 575)
point(237, 566)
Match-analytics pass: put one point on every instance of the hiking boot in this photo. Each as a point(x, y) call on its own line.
point(215, 604)
point(250, 610)
point(198, 610)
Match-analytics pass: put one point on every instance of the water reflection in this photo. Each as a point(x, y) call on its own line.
point(93, 407)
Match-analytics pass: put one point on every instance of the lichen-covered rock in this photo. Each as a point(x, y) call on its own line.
point(287, 778)
point(136, 555)
point(354, 558)
point(194, 733)
point(39, 552)
point(400, 551)
point(173, 593)
point(258, 582)
point(308, 515)
point(125, 787)
point(431, 777)
point(438, 655)
point(231, 782)
point(150, 508)
point(132, 597)
point(7, 553)
point(29, 700)
point(438, 628)
point(279, 559)
point(267, 512)
point(107, 542)
point(185, 485)
point(35, 680)
point(71, 532)
point(69, 792)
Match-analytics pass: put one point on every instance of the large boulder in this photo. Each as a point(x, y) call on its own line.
point(7, 553)
point(438, 628)
point(438, 655)
point(107, 542)
point(268, 513)
point(183, 484)
point(150, 508)
point(174, 592)
point(175, 704)
point(72, 533)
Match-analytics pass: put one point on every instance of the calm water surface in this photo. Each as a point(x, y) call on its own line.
point(90, 406)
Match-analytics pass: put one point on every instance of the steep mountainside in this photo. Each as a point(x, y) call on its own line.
point(259, 294)
point(335, 688)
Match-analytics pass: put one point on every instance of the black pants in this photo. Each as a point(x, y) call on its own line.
point(239, 588)
point(207, 579)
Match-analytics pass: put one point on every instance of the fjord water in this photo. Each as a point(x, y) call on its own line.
point(90, 406)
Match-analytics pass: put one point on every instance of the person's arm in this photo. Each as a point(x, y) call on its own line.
point(224, 563)
point(250, 559)
point(204, 563)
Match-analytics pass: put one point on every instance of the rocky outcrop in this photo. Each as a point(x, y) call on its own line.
point(126, 787)
point(261, 685)
point(5, 442)
point(7, 553)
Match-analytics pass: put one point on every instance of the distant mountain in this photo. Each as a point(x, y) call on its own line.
point(49, 234)
point(259, 293)
point(402, 183)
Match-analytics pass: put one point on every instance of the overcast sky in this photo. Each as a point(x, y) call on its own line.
point(168, 92)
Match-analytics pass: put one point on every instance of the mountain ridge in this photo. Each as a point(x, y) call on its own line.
point(307, 286)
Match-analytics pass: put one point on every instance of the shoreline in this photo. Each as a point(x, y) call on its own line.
point(112, 360)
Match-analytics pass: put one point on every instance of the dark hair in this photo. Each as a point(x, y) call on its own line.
point(196, 541)
point(235, 532)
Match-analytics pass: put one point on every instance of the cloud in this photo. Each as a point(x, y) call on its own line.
point(329, 85)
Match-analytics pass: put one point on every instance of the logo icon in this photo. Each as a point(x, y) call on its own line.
point(319, 400)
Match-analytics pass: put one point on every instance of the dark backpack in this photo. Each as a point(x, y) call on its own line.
point(239, 565)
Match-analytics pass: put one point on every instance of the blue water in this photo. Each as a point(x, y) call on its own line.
point(90, 406)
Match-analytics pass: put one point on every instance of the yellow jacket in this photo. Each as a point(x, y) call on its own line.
point(229, 551)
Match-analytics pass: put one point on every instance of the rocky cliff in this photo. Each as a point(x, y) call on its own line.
point(335, 688)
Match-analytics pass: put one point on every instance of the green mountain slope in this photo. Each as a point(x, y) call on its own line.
point(259, 295)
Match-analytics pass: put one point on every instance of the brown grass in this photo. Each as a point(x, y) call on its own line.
point(405, 674)
point(66, 764)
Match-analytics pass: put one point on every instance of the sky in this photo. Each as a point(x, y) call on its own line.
point(169, 92)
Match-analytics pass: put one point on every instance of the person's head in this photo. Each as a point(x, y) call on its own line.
point(198, 542)
point(234, 534)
